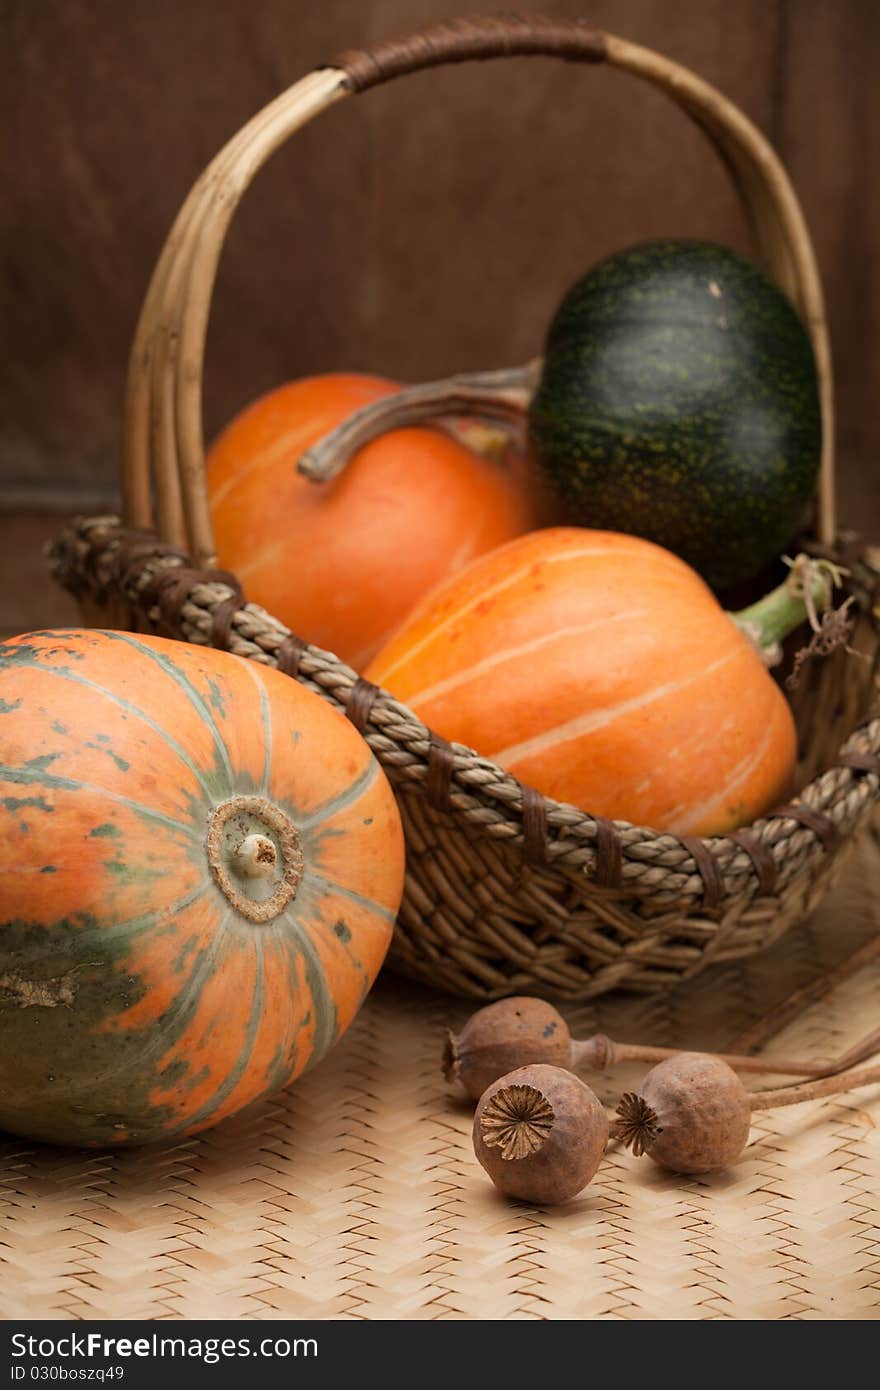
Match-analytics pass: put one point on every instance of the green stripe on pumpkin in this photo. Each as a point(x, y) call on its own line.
point(343, 800)
point(66, 674)
point(20, 776)
point(185, 684)
point(170, 1027)
point(229, 1083)
point(315, 881)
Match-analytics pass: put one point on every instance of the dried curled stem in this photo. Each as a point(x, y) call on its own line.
point(834, 628)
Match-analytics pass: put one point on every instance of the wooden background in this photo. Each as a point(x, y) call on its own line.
point(427, 226)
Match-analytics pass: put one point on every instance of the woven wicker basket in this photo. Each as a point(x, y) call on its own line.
point(506, 891)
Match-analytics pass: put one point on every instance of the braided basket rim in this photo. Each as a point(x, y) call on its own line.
point(100, 561)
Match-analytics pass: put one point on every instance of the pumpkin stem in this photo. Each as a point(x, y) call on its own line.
point(805, 592)
point(255, 855)
point(500, 395)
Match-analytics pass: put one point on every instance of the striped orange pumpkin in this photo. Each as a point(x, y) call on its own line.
point(200, 866)
point(599, 669)
point(343, 562)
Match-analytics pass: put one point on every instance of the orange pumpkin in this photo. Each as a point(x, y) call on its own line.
point(599, 669)
point(200, 866)
point(343, 562)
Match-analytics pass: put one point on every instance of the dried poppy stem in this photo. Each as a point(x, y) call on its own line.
point(600, 1052)
point(788, 1009)
point(815, 1089)
point(635, 1052)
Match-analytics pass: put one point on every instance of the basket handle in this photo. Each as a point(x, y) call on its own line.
point(463, 40)
point(164, 434)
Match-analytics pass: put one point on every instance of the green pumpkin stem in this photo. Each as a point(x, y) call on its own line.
point(805, 593)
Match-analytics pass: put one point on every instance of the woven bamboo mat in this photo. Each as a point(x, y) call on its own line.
point(356, 1195)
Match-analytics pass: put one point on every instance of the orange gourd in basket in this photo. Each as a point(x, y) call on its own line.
point(601, 670)
point(343, 562)
point(200, 865)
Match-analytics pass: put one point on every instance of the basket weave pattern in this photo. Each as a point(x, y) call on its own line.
point(506, 890)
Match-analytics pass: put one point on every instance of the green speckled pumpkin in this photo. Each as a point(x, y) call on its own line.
point(679, 401)
point(200, 866)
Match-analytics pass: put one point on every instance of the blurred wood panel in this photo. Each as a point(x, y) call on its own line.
point(829, 130)
point(29, 599)
point(424, 227)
